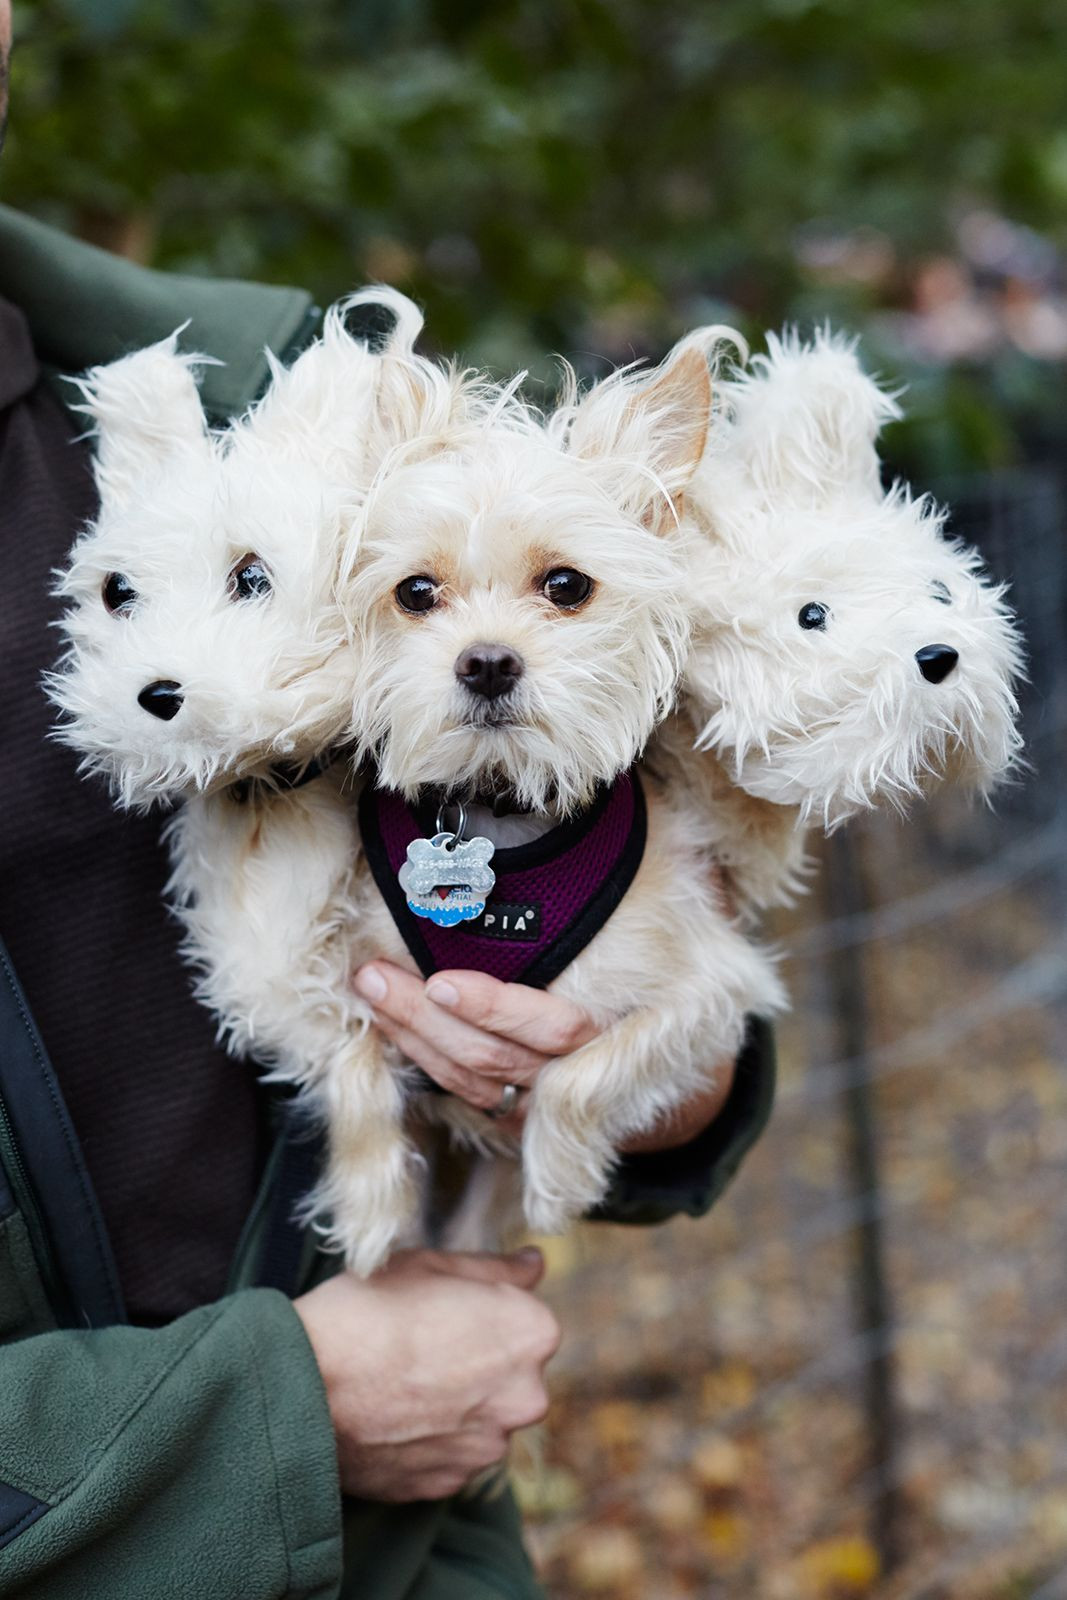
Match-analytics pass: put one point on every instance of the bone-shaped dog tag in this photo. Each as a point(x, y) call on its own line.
point(448, 879)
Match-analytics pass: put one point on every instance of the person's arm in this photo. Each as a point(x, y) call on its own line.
point(473, 1034)
point(207, 1457)
point(192, 1459)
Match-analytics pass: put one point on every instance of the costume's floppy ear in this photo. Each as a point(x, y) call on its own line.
point(647, 429)
point(806, 419)
point(321, 408)
point(146, 410)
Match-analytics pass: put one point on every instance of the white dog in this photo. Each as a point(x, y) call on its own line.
point(524, 613)
point(510, 618)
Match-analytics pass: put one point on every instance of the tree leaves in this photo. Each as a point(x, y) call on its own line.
point(544, 173)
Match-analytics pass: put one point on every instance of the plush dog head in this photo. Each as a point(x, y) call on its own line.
point(516, 585)
point(203, 637)
point(847, 652)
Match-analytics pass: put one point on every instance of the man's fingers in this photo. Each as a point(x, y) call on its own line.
point(457, 1080)
point(524, 1269)
point(546, 1023)
point(402, 1001)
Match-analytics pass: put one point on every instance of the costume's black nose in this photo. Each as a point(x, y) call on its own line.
point(489, 669)
point(936, 661)
point(163, 698)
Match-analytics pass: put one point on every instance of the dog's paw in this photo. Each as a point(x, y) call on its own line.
point(364, 1214)
point(565, 1172)
point(548, 1214)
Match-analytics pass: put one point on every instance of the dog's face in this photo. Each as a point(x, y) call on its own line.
point(523, 614)
point(203, 637)
point(847, 653)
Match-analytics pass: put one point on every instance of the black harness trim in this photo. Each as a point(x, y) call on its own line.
point(579, 932)
point(287, 775)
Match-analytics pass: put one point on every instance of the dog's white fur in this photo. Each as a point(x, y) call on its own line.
point(790, 510)
point(358, 471)
point(449, 474)
point(487, 502)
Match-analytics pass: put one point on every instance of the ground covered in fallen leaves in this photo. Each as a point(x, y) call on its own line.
point(710, 1434)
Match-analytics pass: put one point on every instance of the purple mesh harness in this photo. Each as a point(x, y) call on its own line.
point(550, 898)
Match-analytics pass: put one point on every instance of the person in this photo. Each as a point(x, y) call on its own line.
point(195, 1402)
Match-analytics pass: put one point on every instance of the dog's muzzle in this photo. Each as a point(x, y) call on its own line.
point(489, 670)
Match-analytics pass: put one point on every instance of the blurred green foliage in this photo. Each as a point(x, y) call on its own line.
point(586, 175)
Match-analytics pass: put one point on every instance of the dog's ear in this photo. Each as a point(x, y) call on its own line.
point(146, 410)
point(419, 399)
point(806, 418)
point(322, 408)
point(647, 430)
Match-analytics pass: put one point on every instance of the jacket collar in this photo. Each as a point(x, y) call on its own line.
point(85, 306)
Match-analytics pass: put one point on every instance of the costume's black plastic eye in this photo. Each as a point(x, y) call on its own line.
point(119, 594)
point(941, 591)
point(813, 615)
point(249, 579)
point(567, 588)
point(418, 593)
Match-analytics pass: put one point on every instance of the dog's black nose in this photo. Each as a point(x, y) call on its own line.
point(163, 698)
point(489, 669)
point(936, 661)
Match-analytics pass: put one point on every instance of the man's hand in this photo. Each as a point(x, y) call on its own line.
point(473, 1034)
point(429, 1367)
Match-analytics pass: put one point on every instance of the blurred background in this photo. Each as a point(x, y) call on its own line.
point(850, 1380)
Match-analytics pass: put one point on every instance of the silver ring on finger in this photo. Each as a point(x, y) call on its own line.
point(509, 1099)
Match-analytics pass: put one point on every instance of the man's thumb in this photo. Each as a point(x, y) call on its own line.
point(524, 1268)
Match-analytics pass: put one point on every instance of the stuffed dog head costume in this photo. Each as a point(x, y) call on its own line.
point(847, 652)
point(203, 641)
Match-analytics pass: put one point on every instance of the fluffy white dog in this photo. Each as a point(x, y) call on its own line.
point(495, 614)
point(524, 612)
point(504, 612)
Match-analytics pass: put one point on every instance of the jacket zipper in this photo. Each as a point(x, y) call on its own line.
point(27, 1205)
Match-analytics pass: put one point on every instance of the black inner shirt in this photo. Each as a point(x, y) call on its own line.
point(171, 1128)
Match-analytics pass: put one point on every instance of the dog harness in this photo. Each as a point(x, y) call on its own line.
point(550, 896)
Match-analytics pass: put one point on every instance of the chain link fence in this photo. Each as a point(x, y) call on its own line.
point(852, 1378)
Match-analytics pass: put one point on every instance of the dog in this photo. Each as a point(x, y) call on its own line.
point(393, 556)
point(524, 618)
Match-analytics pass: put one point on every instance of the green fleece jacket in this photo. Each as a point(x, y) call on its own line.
point(197, 1460)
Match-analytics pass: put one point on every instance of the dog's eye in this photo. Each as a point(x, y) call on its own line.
point(249, 579)
point(813, 615)
point(119, 594)
point(566, 588)
point(417, 594)
point(941, 591)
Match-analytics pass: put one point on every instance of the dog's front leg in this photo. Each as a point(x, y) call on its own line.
point(584, 1107)
point(366, 1203)
point(489, 1214)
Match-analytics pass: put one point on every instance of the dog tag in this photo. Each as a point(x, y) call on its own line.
point(448, 879)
